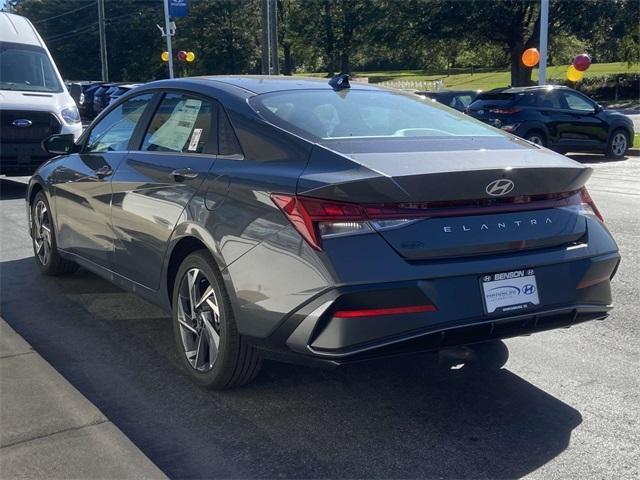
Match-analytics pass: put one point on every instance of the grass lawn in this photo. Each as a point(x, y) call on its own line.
point(636, 140)
point(483, 80)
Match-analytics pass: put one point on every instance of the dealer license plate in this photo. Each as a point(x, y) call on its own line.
point(510, 291)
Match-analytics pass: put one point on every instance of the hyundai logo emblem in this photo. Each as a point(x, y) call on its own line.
point(22, 123)
point(500, 187)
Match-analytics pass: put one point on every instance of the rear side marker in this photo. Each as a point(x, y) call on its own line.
point(377, 312)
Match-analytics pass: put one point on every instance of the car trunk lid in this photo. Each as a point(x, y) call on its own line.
point(456, 200)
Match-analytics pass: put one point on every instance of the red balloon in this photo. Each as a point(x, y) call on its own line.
point(582, 62)
point(182, 55)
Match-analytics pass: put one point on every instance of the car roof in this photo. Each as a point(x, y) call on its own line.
point(259, 84)
point(533, 88)
point(17, 29)
point(451, 92)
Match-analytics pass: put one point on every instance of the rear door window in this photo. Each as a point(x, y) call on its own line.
point(494, 100)
point(182, 124)
point(549, 100)
point(114, 131)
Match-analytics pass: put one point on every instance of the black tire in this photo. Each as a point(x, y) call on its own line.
point(618, 144)
point(45, 246)
point(537, 137)
point(235, 362)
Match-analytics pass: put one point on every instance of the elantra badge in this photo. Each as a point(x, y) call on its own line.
point(22, 123)
point(500, 187)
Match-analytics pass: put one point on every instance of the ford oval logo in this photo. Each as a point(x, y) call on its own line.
point(500, 187)
point(22, 123)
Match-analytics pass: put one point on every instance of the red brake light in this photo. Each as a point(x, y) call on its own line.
point(504, 111)
point(587, 200)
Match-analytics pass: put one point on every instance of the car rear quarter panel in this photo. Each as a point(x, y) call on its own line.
point(233, 213)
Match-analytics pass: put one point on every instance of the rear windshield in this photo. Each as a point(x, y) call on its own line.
point(26, 68)
point(496, 96)
point(327, 114)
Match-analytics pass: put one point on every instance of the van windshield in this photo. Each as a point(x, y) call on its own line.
point(26, 68)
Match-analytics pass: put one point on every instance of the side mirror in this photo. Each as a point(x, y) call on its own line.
point(598, 108)
point(62, 144)
point(75, 89)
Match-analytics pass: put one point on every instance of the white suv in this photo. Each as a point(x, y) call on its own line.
point(34, 102)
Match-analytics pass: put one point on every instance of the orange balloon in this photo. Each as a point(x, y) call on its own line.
point(530, 57)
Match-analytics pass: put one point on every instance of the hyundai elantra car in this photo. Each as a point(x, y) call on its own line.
point(319, 221)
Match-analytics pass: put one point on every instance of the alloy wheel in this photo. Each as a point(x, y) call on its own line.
point(619, 144)
point(42, 232)
point(535, 139)
point(199, 320)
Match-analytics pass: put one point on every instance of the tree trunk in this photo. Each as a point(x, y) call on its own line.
point(348, 26)
point(520, 75)
point(329, 43)
point(288, 61)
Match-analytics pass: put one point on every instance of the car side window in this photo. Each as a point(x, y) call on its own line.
point(181, 124)
point(114, 131)
point(577, 102)
point(548, 100)
point(228, 144)
point(527, 99)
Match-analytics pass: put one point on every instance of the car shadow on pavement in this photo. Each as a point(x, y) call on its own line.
point(10, 190)
point(395, 418)
point(594, 158)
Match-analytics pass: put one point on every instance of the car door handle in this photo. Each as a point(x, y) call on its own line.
point(182, 173)
point(103, 171)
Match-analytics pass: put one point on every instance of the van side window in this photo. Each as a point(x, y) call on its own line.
point(181, 124)
point(228, 143)
point(114, 131)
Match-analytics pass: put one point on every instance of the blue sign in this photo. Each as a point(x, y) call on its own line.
point(178, 8)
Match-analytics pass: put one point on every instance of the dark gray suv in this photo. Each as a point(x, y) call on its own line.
point(320, 222)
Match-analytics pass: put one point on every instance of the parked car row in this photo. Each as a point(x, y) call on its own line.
point(92, 97)
point(556, 117)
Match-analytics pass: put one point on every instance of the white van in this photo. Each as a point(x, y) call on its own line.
point(34, 102)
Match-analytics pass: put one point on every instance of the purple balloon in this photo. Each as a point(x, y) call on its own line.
point(582, 62)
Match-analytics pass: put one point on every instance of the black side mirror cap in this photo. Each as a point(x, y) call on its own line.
point(61, 144)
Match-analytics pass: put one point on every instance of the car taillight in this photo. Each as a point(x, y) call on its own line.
point(316, 218)
point(504, 111)
point(589, 205)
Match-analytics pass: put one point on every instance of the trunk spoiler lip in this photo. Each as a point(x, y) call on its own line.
point(458, 208)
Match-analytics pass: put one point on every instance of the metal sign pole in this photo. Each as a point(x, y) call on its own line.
point(167, 32)
point(544, 33)
point(103, 42)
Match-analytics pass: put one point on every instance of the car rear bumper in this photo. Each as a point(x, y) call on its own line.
point(570, 293)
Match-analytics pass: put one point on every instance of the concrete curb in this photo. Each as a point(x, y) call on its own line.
point(50, 430)
point(633, 152)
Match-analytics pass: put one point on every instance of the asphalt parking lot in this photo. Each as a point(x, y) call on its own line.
point(565, 405)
